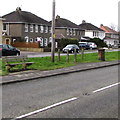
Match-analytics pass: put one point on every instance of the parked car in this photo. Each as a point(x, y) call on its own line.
point(92, 45)
point(8, 50)
point(71, 48)
point(84, 45)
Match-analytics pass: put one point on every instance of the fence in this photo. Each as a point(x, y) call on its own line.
point(25, 45)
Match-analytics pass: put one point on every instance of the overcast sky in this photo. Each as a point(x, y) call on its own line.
point(93, 11)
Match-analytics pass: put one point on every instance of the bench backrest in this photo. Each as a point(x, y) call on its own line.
point(14, 58)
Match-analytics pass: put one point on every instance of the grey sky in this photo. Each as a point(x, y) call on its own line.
point(94, 11)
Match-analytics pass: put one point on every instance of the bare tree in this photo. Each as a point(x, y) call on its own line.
point(113, 26)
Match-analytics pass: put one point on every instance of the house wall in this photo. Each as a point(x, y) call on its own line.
point(98, 34)
point(15, 30)
point(63, 31)
point(111, 41)
point(1, 27)
point(18, 34)
point(60, 31)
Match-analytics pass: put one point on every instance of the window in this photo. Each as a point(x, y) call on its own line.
point(4, 26)
point(31, 28)
point(50, 29)
point(41, 43)
point(45, 42)
point(26, 27)
point(71, 31)
point(67, 31)
point(74, 33)
point(50, 39)
point(36, 28)
point(46, 29)
point(41, 29)
point(36, 40)
point(31, 39)
point(26, 39)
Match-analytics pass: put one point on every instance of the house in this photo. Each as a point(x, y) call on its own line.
point(111, 36)
point(4, 38)
point(91, 31)
point(26, 29)
point(1, 26)
point(67, 29)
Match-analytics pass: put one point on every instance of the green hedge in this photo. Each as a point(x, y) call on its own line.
point(100, 43)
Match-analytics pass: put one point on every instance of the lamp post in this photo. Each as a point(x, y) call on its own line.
point(53, 33)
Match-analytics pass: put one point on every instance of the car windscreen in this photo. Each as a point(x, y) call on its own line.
point(69, 46)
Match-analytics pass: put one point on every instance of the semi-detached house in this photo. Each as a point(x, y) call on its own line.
point(92, 31)
point(64, 28)
point(27, 29)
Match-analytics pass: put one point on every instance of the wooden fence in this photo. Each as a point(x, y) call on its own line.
point(25, 45)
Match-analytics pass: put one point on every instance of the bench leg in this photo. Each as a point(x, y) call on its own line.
point(24, 66)
point(8, 68)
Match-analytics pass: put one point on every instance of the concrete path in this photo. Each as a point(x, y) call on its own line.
point(34, 74)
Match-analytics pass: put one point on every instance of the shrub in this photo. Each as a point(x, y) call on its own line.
point(100, 43)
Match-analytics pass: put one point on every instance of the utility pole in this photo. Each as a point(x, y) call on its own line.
point(53, 33)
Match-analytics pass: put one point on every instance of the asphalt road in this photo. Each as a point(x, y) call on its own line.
point(88, 94)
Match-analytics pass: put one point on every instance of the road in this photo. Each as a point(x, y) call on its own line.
point(44, 54)
point(88, 94)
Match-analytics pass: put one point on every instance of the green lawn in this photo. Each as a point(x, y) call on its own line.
point(44, 63)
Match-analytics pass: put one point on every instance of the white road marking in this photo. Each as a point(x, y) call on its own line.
point(62, 102)
point(101, 89)
point(46, 108)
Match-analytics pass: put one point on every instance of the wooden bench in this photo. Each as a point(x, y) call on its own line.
point(12, 61)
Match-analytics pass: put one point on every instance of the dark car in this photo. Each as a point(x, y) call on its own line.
point(84, 45)
point(8, 50)
point(71, 48)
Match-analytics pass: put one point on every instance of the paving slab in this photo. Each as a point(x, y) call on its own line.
point(35, 74)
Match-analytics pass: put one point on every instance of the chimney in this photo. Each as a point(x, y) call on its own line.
point(101, 25)
point(83, 21)
point(18, 9)
point(57, 17)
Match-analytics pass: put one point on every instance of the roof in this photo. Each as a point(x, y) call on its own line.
point(64, 23)
point(89, 26)
point(20, 16)
point(107, 29)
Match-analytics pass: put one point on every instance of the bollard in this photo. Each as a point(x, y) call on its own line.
point(101, 54)
point(67, 58)
point(82, 53)
point(58, 55)
point(75, 55)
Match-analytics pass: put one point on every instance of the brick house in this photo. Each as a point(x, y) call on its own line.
point(111, 36)
point(25, 27)
point(67, 29)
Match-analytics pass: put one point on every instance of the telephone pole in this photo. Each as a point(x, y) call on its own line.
point(53, 33)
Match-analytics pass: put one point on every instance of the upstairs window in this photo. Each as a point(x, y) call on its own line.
point(50, 29)
point(31, 28)
point(36, 28)
point(26, 27)
point(68, 32)
point(41, 29)
point(4, 27)
point(71, 32)
point(46, 29)
point(74, 33)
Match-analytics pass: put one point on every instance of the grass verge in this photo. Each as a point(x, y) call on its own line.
point(44, 63)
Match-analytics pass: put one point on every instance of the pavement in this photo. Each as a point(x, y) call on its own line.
point(36, 74)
